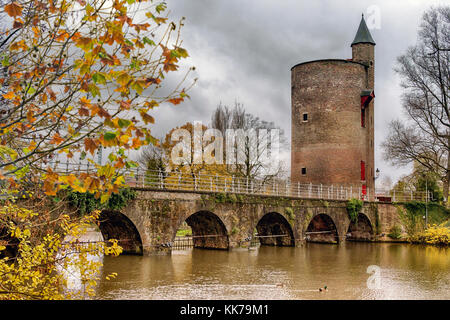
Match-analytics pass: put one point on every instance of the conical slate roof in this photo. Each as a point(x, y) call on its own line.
point(363, 34)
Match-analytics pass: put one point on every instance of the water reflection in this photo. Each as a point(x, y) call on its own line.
point(407, 272)
point(69, 261)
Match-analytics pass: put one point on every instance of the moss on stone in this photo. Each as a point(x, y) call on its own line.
point(290, 213)
point(354, 206)
point(326, 204)
point(232, 198)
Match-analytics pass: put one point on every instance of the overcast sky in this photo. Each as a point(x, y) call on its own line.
point(244, 49)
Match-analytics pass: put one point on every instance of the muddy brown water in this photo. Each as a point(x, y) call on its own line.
point(350, 271)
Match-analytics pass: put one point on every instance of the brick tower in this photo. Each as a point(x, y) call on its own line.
point(333, 118)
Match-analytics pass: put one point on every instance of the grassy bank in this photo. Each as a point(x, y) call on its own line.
point(413, 223)
point(184, 230)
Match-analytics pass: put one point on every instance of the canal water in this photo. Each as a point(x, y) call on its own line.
point(350, 271)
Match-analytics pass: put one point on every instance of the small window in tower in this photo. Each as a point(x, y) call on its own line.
point(303, 171)
point(305, 117)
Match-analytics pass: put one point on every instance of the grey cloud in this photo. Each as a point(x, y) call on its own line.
point(245, 49)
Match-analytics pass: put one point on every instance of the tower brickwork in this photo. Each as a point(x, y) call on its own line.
point(333, 118)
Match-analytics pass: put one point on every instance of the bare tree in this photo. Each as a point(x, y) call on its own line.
point(254, 166)
point(152, 158)
point(425, 136)
point(386, 183)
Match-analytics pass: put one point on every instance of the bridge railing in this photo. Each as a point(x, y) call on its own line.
point(242, 185)
point(272, 187)
point(392, 195)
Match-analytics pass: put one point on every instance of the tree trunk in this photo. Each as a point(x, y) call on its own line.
point(446, 181)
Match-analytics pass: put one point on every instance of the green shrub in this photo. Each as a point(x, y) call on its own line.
point(220, 197)
point(436, 234)
point(290, 213)
point(232, 198)
point(118, 201)
point(395, 232)
point(354, 206)
point(85, 202)
point(415, 211)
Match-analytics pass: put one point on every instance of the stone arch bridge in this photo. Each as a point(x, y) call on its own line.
point(148, 224)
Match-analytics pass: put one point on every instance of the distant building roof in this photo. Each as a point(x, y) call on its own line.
point(363, 35)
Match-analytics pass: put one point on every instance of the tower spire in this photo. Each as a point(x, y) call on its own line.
point(363, 34)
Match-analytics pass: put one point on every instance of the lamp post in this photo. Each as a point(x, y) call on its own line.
point(377, 175)
point(426, 201)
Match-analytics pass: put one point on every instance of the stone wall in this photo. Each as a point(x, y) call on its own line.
point(331, 144)
point(232, 219)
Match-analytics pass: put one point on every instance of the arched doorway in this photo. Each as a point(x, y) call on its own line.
point(274, 230)
point(204, 229)
point(360, 230)
point(115, 225)
point(322, 229)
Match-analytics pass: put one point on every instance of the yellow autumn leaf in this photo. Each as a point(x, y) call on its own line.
point(124, 138)
point(123, 79)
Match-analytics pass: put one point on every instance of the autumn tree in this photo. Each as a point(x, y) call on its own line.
point(423, 180)
point(194, 149)
point(424, 136)
point(187, 151)
point(76, 76)
point(190, 154)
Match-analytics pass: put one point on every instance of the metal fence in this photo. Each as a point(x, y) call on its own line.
point(240, 185)
point(393, 195)
point(243, 185)
point(181, 243)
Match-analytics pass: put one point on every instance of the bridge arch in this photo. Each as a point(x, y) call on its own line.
point(273, 229)
point(208, 230)
point(322, 228)
point(360, 230)
point(115, 225)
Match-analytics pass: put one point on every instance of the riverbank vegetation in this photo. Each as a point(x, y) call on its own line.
point(436, 235)
point(86, 202)
point(427, 223)
point(395, 232)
